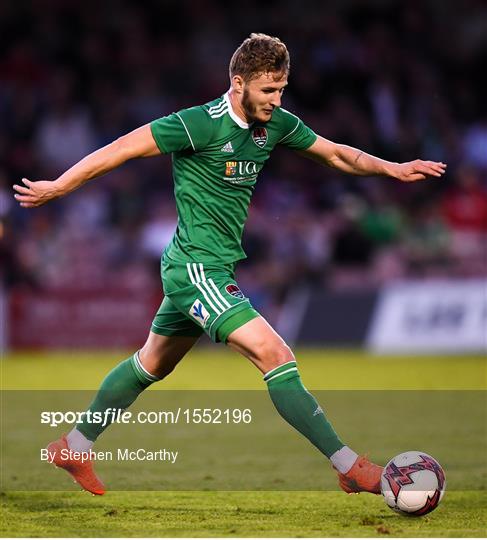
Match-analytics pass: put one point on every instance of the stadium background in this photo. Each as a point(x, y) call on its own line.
point(400, 80)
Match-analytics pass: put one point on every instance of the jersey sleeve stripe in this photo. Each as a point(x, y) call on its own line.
point(290, 133)
point(216, 108)
point(219, 113)
point(189, 136)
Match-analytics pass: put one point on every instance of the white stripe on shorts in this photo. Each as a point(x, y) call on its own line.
point(203, 292)
point(199, 273)
point(224, 300)
point(208, 288)
point(195, 280)
point(188, 267)
point(213, 295)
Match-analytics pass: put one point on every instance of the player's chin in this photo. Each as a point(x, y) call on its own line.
point(264, 116)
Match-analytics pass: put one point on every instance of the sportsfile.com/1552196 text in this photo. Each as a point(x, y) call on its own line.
point(178, 415)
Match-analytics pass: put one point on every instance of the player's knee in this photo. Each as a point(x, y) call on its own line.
point(155, 362)
point(273, 354)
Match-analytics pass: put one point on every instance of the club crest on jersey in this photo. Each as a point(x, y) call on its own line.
point(259, 136)
point(230, 168)
point(234, 291)
point(199, 312)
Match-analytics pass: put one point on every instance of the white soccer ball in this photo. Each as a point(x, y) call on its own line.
point(413, 483)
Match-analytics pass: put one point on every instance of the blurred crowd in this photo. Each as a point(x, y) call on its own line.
point(398, 79)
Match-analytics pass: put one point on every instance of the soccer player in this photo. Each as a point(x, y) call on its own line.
point(218, 150)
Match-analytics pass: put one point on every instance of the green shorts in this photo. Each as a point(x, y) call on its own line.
point(200, 298)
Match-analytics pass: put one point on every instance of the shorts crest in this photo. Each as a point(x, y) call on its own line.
point(234, 291)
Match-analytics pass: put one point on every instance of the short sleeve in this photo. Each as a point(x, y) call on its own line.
point(297, 135)
point(188, 129)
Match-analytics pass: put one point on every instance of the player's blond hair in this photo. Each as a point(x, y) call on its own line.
point(260, 54)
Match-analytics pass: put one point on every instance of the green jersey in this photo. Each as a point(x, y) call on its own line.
point(216, 160)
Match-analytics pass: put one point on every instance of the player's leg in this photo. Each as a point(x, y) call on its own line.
point(121, 387)
point(172, 336)
point(119, 390)
point(213, 299)
point(257, 341)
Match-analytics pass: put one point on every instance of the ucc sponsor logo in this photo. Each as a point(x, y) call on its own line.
point(241, 169)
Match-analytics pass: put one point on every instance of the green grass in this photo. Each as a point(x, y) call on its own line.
point(230, 514)
point(217, 368)
point(458, 438)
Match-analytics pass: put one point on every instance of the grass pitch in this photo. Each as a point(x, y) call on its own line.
point(234, 514)
point(462, 513)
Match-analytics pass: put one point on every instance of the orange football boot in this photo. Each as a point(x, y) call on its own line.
point(363, 476)
point(82, 472)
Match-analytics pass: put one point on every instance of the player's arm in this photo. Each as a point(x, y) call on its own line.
point(354, 161)
point(137, 143)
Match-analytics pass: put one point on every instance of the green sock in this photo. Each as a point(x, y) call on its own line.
point(118, 390)
point(300, 409)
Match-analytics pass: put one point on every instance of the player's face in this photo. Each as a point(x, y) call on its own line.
point(262, 95)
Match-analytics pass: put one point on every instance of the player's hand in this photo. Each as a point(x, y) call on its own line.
point(33, 194)
point(418, 170)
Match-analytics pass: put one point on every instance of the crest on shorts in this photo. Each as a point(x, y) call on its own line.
point(234, 291)
point(259, 136)
point(199, 312)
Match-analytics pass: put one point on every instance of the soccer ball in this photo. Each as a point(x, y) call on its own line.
point(413, 483)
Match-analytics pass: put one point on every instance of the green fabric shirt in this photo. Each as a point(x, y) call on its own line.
point(216, 160)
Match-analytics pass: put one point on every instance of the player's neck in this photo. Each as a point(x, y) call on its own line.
point(236, 104)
